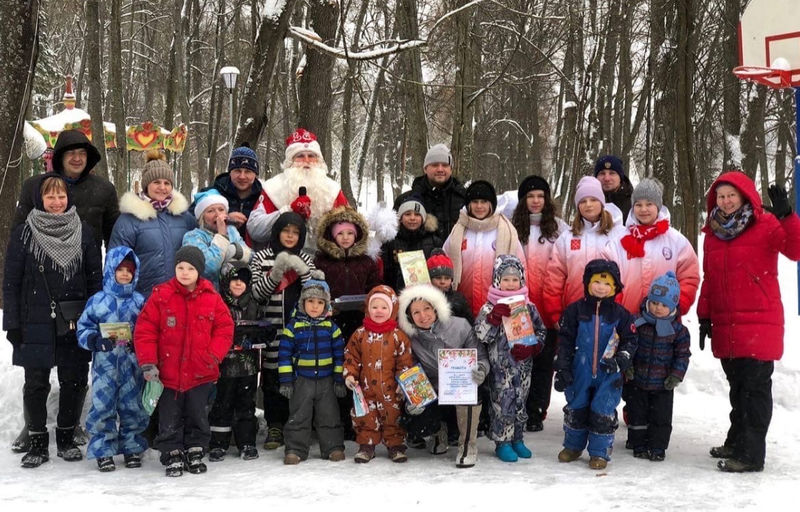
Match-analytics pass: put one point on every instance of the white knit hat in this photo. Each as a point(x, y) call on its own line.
point(205, 199)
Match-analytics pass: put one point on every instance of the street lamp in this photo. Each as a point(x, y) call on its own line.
point(229, 75)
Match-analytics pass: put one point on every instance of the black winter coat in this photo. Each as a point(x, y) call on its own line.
point(424, 238)
point(444, 202)
point(223, 185)
point(621, 198)
point(27, 305)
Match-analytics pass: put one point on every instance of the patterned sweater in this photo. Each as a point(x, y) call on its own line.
point(310, 347)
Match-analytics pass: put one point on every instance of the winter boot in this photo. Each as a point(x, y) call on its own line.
point(534, 425)
point(738, 466)
point(175, 463)
point(291, 459)
point(194, 460)
point(398, 453)
point(468, 417)
point(597, 463)
point(216, 455)
point(657, 455)
point(640, 452)
point(416, 442)
point(505, 452)
point(38, 452)
point(65, 443)
point(22, 443)
point(133, 460)
point(80, 437)
point(248, 452)
point(106, 464)
point(721, 452)
point(366, 452)
point(274, 438)
point(437, 443)
point(521, 450)
point(336, 456)
point(567, 455)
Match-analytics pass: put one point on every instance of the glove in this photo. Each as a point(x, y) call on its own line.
point(495, 317)
point(302, 206)
point(97, 343)
point(671, 382)
point(150, 372)
point(287, 390)
point(246, 344)
point(608, 365)
point(478, 374)
point(705, 331)
point(14, 336)
point(522, 352)
point(780, 203)
point(281, 265)
point(414, 411)
point(563, 380)
point(296, 262)
point(630, 374)
point(350, 382)
point(623, 360)
point(339, 389)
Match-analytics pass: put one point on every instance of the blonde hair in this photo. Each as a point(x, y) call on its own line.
point(52, 184)
point(606, 223)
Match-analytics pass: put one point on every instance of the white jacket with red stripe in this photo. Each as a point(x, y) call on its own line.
point(537, 255)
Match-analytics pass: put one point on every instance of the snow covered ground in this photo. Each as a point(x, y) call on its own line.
point(687, 480)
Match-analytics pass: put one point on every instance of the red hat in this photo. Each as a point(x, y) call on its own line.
point(302, 140)
point(440, 264)
point(127, 264)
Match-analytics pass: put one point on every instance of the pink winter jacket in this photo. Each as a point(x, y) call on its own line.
point(537, 256)
point(669, 251)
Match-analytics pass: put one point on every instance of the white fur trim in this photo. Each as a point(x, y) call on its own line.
point(297, 147)
point(208, 200)
point(133, 204)
point(429, 294)
point(383, 221)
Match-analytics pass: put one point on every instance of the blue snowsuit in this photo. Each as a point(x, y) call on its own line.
point(117, 380)
point(586, 327)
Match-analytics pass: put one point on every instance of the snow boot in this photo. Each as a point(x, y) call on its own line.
point(534, 425)
point(291, 459)
point(437, 443)
point(721, 452)
point(657, 455)
point(336, 456)
point(175, 463)
point(597, 463)
point(106, 464)
point(398, 453)
point(22, 443)
point(521, 450)
point(38, 452)
point(194, 460)
point(216, 455)
point(641, 452)
point(738, 466)
point(274, 438)
point(505, 452)
point(567, 455)
point(248, 452)
point(133, 460)
point(65, 444)
point(366, 452)
point(468, 417)
point(80, 437)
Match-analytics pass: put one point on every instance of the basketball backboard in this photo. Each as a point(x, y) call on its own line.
point(769, 43)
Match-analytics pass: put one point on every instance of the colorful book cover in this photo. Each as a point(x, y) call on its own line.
point(518, 325)
point(611, 346)
point(416, 387)
point(414, 267)
point(120, 331)
point(360, 405)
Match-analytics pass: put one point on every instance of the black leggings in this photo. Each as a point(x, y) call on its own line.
point(71, 379)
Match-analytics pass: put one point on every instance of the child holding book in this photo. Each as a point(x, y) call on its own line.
point(596, 342)
point(660, 363)
point(310, 369)
point(182, 335)
point(440, 269)
point(233, 412)
point(510, 378)
point(375, 355)
point(116, 418)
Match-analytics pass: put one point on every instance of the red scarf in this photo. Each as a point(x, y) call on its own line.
point(634, 241)
point(381, 328)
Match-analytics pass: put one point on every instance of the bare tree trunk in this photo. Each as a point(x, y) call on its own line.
point(685, 72)
point(95, 83)
point(466, 84)
point(216, 94)
point(731, 87)
point(752, 145)
point(118, 107)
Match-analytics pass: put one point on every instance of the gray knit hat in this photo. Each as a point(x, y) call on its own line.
point(411, 203)
point(193, 256)
point(156, 168)
point(315, 288)
point(649, 189)
point(438, 154)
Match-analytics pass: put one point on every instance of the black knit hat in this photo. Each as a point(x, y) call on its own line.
point(532, 182)
point(481, 190)
point(609, 162)
point(193, 256)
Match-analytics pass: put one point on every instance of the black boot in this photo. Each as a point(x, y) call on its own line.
point(22, 443)
point(65, 442)
point(38, 452)
point(194, 460)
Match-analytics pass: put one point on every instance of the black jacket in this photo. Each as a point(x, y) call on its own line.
point(26, 302)
point(424, 238)
point(223, 185)
point(442, 202)
point(621, 197)
point(94, 197)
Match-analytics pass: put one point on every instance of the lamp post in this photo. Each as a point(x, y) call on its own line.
point(229, 75)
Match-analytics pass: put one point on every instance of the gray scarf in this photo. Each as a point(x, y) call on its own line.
point(56, 237)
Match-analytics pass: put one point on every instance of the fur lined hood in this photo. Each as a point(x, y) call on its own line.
point(429, 294)
point(133, 204)
point(327, 245)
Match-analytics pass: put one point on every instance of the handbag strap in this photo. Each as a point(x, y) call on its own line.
point(50, 295)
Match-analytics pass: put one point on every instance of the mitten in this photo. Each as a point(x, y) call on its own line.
point(671, 382)
point(478, 374)
point(705, 332)
point(563, 380)
point(14, 336)
point(97, 343)
point(302, 206)
point(287, 390)
point(522, 352)
point(297, 263)
point(630, 373)
point(150, 372)
point(495, 317)
point(281, 265)
point(608, 365)
point(413, 410)
point(780, 202)
point(339, 389)
point(235, 252)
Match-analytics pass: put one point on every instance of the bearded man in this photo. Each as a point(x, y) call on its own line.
point(303, 187)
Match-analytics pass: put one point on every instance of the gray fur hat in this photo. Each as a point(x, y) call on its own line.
point(649, 189)
point(315, 288)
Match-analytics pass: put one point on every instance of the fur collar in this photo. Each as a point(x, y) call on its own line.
point(131, 203)
point(429, 294)
point(329, 247)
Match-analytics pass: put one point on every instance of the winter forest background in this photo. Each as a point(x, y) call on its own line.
point(513, 86)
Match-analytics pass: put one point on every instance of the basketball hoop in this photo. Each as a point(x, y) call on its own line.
point(771, 77)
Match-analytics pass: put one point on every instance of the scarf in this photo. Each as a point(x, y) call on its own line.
point(57, 237)
point(728, 227)
point(496, 294)
point(158, 205)
point(535, 218)
point(664, 326)
point(380, 328)
point(633, 242)
point(506, 243)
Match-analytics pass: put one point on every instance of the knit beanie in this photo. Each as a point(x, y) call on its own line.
point(532, 182)
point(438, 154)
point(156, 168)
point(589, 186)
point(507, 265)
point(341, 226)
point(649, 189)
point(481, 189)
point(411, 203)
point(382, 297)
point(440, 264)
point(609, 162)
point(193, 256)
point(315, 288)
point(205, 199)
point(604, 277)
point(666, 290)
point(243, 158)
point(240, 272)
point(299, 141)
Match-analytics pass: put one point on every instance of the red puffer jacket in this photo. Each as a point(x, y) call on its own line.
point(185, 334)
point(740, 292)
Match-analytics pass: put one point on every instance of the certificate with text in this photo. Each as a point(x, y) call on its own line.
point(456, 386)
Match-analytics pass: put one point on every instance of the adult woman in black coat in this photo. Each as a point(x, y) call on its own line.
point(52, 257)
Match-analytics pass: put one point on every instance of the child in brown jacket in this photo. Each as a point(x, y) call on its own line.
point(375, 355)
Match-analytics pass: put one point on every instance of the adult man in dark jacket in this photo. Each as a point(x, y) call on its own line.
point(442, 195)
point(95, 198)
point(616, 186)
